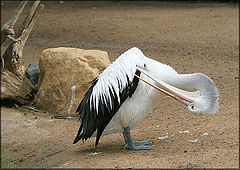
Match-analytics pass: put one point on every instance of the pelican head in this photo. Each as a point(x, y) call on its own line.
point(197, 91)
point(207, 100)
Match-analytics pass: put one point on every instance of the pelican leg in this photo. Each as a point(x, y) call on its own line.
point(131, 145)
point(137, 142)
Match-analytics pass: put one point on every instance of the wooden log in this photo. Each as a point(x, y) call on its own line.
point(15, 85)
point(16, 88)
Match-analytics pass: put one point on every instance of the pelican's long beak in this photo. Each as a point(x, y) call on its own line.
point(180, 95)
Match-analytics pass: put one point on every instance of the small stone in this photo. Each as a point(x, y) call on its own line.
point(33, 73)
point(15, 105)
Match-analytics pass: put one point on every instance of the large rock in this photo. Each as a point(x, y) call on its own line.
point(66, 75)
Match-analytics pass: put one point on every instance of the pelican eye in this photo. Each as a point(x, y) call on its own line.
point(192, 106)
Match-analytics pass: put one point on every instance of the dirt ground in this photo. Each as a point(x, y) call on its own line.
point(190, 37)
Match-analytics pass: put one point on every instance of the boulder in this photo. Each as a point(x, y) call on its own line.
point(65, 76)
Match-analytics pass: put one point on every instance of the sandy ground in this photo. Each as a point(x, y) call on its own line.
point(190, 37)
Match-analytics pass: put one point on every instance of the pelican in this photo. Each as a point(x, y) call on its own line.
point(127, 90)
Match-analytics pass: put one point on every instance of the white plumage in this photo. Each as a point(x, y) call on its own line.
point(118, 100)
point(114, 77)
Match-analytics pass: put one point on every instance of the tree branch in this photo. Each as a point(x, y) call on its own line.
point(28, 19)
point(26, 32)
point(7, 28)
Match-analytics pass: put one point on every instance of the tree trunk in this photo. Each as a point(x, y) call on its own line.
point(16, 88)
point(15, 85)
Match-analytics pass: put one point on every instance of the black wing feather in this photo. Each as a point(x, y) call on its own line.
point(93, 120)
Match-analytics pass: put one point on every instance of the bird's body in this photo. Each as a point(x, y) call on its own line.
point(136, 108)
point(133, 110)
point(118, 101)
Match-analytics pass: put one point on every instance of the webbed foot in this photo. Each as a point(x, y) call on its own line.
point(137, 145)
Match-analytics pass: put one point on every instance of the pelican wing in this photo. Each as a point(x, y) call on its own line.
point(108, 92)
